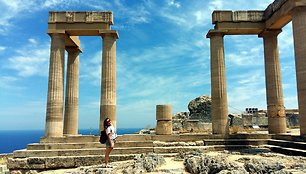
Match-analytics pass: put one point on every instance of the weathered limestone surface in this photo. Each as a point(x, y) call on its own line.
point(108, 80)
point(163, 112)
point(72, 92)
point(164, 120)
point(164, 128)
point(237, 16)
point(274, 91)
point(218, 84)
point(200, 108)
point(55, 100)
point(299, 35)
point(90, 23)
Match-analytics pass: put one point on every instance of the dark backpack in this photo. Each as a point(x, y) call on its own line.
point(103, 137)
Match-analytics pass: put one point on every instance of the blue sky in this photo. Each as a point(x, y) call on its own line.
point(162, 58)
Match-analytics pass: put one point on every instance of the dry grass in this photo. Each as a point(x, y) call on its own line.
point(2, 161)
point(238, 129)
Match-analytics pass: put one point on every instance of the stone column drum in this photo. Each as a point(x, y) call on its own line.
point(274, 91)
point(218, 85)
point(108, 81)
point(164, 120)
point(55, 99)
point(299, 35)
point(72, 92)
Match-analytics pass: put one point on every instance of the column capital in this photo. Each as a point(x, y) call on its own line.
point(62, 34)
point(270, 32)
point(212, 33)
point(112, 33)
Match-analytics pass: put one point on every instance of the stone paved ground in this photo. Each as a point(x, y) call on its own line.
point(225, 162)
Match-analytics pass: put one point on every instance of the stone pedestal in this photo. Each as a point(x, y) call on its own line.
point(108, 81)
point(72, 92)
point(164, 120)
point(299, 34)
point(55, 99)
point(274, 91)
point(218, 84)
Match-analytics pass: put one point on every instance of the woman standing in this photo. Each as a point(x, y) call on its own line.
point(111, 139)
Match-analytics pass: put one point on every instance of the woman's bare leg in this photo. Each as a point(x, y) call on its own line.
point(108, 151)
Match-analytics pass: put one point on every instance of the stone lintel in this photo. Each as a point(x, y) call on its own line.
point(237, 16)
point(113, 32)
point(81, 17)
point(279, 13)
point(240, 28)
point(268, 32)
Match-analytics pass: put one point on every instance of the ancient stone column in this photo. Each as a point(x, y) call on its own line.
point(299, 35)
point(274, 91)
point(55, 100)
point(72, 92)
point(108, 81)
point(218, 84)
point(164, 120)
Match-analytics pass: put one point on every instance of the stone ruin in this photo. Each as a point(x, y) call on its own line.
point(62, 147)
point(198, 119)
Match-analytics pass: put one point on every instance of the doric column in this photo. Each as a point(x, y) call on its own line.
point(55, 100)
point(299, 35)
point(274, 90)
point(108, 81)
point(218, 84)
point(72, 92)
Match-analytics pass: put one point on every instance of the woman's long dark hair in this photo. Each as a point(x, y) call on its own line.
point(106, 123)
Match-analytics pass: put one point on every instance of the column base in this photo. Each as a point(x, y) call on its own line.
point(277, 125)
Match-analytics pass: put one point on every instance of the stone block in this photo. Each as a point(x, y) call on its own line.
point(60, 162)
point(88, 161)
point(17, 163)
point(197, 126)
point(164, 128)
point(163, 112)
point(221, 16)
point(248, 16)
point(36, 163)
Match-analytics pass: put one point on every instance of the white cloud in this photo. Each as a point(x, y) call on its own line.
point(215, 5)
point(12, 9)
point(6, 82)
point(173, 3)
point(2, 48)
point(30, 60)
point(32, 41)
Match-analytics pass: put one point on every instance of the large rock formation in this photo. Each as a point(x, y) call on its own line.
point(198, 119)
point(200, 108)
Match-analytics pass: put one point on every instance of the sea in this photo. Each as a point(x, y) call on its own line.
point(11, 140)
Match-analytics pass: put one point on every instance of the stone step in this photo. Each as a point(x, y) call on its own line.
point(256, 142)
point(121, 150)
point(288, 144)
point(153, 137)
point(79, 152)
point(71, 139)
point(287, 151)
point(289, 137)
point(47, 163)
point(49, 146)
